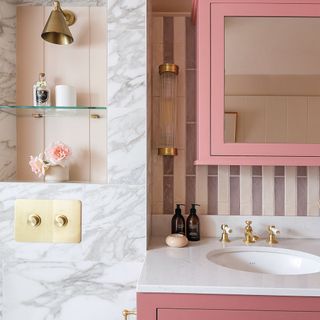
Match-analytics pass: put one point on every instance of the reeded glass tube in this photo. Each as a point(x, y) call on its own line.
point(167, 115)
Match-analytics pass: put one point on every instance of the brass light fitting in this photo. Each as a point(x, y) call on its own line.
point(169, 67)
point(167, 112)
point(56, 29)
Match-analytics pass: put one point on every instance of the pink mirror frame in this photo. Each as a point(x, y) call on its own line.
point(211, 148)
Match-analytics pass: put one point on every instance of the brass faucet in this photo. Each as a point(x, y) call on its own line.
point(273, 231)
point(248, 234)
point(225, 233)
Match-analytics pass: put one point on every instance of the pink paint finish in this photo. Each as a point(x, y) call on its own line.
point(152, 306)
point(210, 87)
point(174, 314)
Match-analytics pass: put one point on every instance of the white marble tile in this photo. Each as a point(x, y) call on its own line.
point(116, 225)
point(127, 146)
point(8, 141)
point(64, 291)
point(127, 14)
point(127, 69)
point(113, 223)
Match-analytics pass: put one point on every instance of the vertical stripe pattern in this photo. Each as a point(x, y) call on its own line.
point(220, 190)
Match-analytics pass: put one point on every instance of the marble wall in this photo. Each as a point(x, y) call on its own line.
point(97, 277)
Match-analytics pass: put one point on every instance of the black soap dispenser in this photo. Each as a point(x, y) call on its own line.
point(193, 224)
point(178, 224)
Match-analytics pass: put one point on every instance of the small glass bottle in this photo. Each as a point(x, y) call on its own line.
point(193, 224)
point(177, 222)
point(41, 92)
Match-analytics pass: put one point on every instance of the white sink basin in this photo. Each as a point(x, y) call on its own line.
point(266, 260)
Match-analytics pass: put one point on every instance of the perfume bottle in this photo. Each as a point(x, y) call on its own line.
point(41, 92)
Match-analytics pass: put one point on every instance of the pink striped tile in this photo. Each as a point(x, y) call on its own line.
point(301, 171)
point(168, 39)
point(191, 148)
point(257, 196)
point(168, 165)
point(213, 195)
point(302, 198)
point(279, 171)
point(234, 170)
point(279, 195)
point(213, 170)
point(190, 44)
point(168, 205)
point(190, 191)
point(191, 95)
point(257, 171)
point(235, 195)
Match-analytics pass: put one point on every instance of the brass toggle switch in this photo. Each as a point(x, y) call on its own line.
point(55, 221)
point(61, 221)
point(34, 220)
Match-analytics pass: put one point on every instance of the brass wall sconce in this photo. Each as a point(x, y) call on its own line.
point(167, 112)
point(56, 29)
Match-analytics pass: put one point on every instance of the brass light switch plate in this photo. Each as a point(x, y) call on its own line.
point(55, 221)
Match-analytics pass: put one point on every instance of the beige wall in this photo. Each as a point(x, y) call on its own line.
point(82, 65)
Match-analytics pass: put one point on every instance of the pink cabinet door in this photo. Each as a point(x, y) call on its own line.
point(211, 147)
point(189, 314)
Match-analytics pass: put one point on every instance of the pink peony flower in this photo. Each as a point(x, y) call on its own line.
point(57, 153)
point(38, 166)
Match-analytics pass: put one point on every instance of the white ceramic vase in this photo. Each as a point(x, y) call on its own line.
point(57, 174)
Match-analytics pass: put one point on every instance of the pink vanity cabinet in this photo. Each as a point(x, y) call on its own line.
point(220, 75)
point(154, 306)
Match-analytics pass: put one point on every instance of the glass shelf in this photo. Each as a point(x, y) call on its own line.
point(52, 111)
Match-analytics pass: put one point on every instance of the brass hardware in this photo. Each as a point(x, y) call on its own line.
point(37, 115)
point(70, 17)
point(34, 220)
point(95, 116)
point(248, 233)
point(225, 233)
point(167, 151)
point(126, 313)
point(61, 221)
point(169, 67)
point(273, 231)
point(56, 29)
point(52, 226)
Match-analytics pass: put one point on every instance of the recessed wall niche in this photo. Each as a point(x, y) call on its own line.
point(27, 131)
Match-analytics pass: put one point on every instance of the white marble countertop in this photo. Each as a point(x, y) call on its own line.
point(187, 270)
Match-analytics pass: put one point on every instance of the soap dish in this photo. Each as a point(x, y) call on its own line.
point(176, 240)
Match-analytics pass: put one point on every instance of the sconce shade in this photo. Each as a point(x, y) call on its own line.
point(167, 110)
point(56, 29)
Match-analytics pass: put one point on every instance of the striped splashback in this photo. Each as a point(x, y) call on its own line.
point(220, 190)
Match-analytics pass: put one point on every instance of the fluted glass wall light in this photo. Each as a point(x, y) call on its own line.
point(56, 29)
point(167, 112)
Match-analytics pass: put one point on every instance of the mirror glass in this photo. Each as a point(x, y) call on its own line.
point(26, 130)
point(272, 80)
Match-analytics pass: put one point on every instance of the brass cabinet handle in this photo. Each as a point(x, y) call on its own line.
point(126, 313)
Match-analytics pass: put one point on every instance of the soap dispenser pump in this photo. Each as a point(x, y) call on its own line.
point(193, 224)
point(178, 224)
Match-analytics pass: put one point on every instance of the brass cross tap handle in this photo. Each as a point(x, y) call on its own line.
point(126, 313)
point(273, 231)
point(225, 233)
